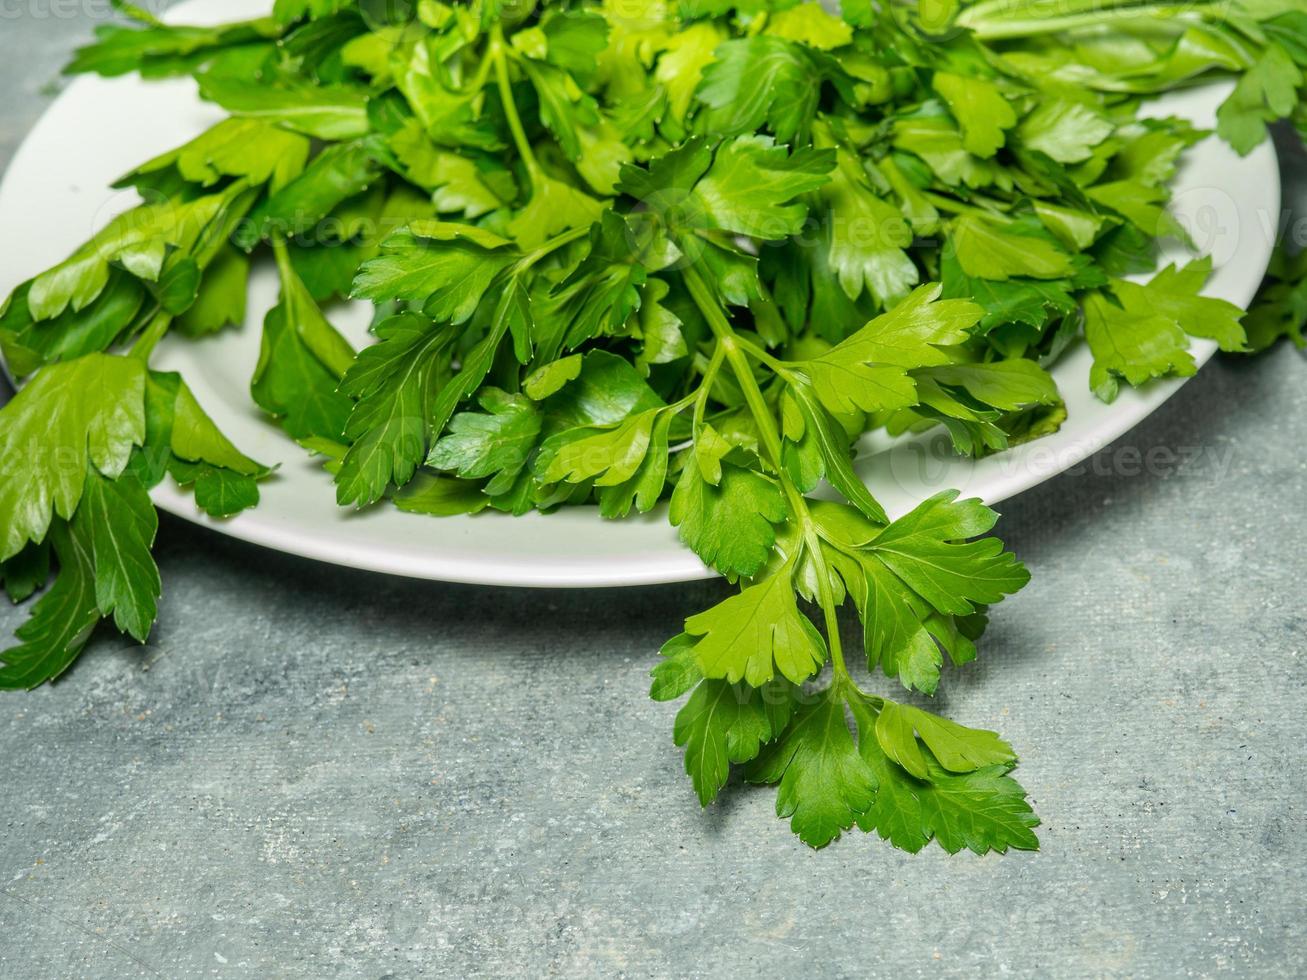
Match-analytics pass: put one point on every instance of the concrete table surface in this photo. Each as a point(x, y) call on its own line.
point(312, 772)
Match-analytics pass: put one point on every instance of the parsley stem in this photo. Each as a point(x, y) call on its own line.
point(282, 255)
point(478, 81)
point(705, 389)
point(988, 208)
point(999, 28)
point(759, 354)
point(151, 335)
point(551, 246)
point(733, 350)
point(676, 408)
point(210, 242)
point(510, 107)
point(137, 13)
point(730, 346)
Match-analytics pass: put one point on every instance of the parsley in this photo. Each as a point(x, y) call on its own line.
point(1280, 309)
point(670, 253)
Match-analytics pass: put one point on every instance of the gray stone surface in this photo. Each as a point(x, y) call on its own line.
point(311, 772)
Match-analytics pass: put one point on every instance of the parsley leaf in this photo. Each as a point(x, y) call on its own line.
point(608, 456)
point(61, 621)
point(981, 110)
point(1065, 130)
point(989, 250)
point(764, 80)
point(1266, 92)
point(728, 521)
point(247, 148)
point(757, 634)
point(326, 112)
point(1134, 345)
point(137, 240)
point(1174, 293)
point(443, 266)
point(392, 384)
point(724, 724)
point(82, 414)
point(747, 186)
point(824, 785)
point(495, 445)
point(1143, 334)
point(159, 50)
point(1280, 309)
point(927, 549)
point(118, 522)
point(867, 236)
point(982, 810)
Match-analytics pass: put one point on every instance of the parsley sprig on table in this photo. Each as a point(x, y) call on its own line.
point(628, 254)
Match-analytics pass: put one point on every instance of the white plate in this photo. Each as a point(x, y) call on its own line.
point(54, 197)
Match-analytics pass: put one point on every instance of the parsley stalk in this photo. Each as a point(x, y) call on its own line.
point(987, 208)
point(237, 201)
point(496, 54)
point(546, 249)
point(733, 350)
point(705, 388)
point(151, 335)
point(987, 20)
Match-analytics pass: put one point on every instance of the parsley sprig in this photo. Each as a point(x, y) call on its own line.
point(644, 254)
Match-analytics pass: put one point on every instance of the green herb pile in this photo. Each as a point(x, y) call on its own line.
point(643, 252)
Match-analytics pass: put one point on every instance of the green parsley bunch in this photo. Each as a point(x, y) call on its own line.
point(636, 252)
